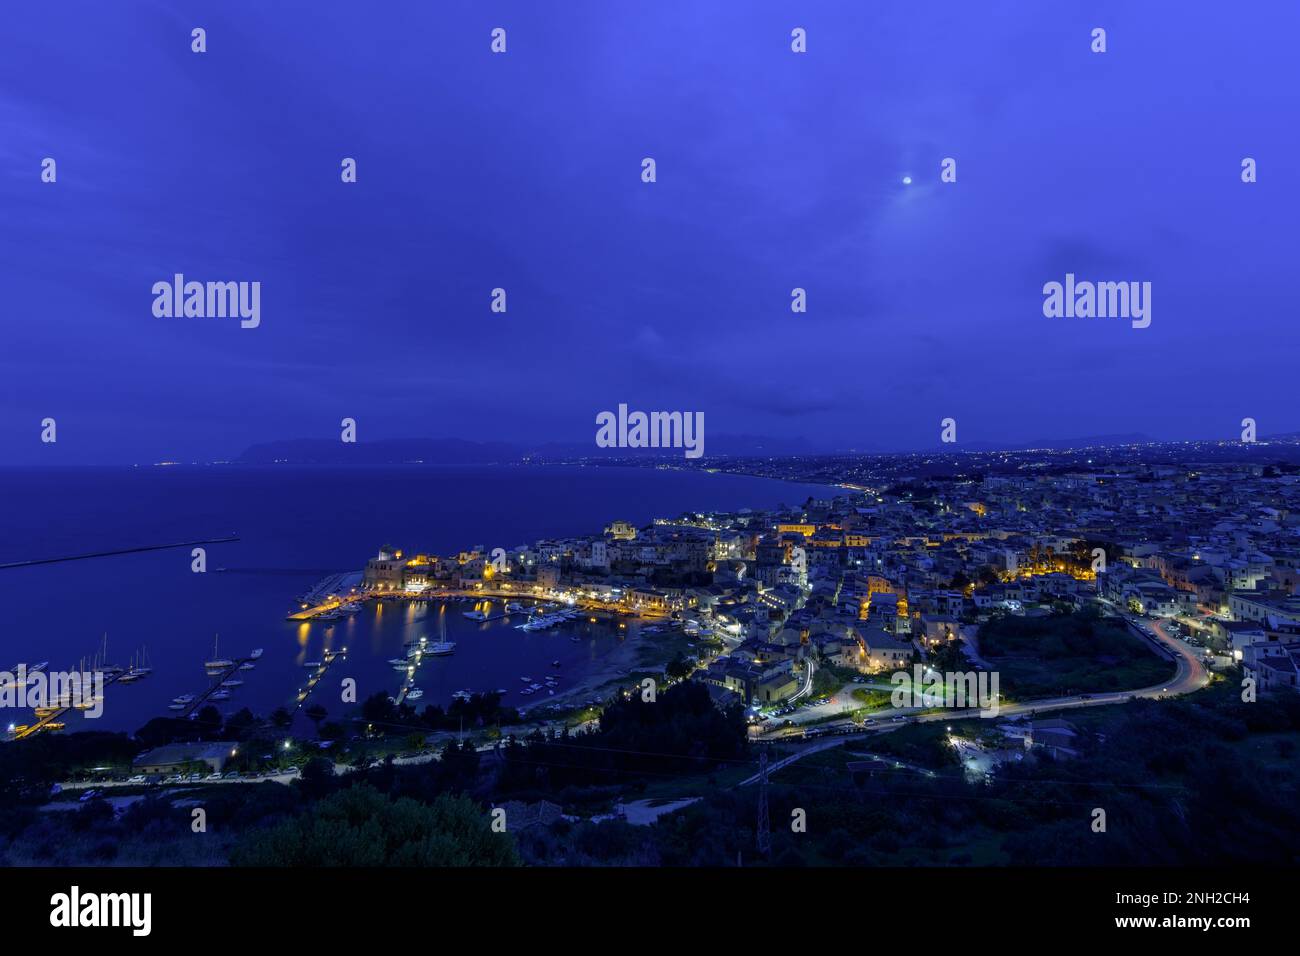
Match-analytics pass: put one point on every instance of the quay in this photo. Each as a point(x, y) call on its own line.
point(305, 692)
point(51, 720)
point(215, 686)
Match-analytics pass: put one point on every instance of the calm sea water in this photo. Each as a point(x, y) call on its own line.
point(295, 525)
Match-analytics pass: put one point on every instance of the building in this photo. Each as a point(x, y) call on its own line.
point(178, 758)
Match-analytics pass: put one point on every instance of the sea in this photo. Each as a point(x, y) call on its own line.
point(296, 525)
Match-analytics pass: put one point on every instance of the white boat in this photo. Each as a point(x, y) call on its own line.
point(514, 607)
point(175, 706)
point(414, 693)
point(402, 665)
point(247, 666)
point(462, 695)
point(220, 695)
point(257, 652)
point(441, 649)
point(475, 615)
point(311, 665)
point(217, 663)
point(233, 682)
point(183, 699)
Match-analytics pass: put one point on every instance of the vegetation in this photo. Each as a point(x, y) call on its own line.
point(362, 827)
point(1064, 654)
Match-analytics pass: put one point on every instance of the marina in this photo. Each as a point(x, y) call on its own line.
point(221, 672)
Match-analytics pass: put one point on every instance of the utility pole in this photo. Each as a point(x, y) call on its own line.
point(764, 833)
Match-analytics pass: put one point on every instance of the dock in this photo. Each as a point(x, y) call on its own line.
point(305, 692)
point(215, 686)
point(51, 721)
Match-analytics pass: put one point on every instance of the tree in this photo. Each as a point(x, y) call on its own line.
point(316, 713)
point(679, 667)
point(208, 720)
point(361, 827)
point(281, 717)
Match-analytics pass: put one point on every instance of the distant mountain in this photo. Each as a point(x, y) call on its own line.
point(1090, 441)
point(459, 451)
point(320, 451)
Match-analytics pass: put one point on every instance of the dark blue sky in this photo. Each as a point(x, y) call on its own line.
point(522, 170)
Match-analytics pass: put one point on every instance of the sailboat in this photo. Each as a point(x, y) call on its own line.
point(102, 661)
point(217, 664)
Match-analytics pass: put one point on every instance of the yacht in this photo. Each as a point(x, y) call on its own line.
point(475, 615)
point(257, 652)
point(414, 693)
point(441, 649)
point(183, 699)
point(402, 665)
point(220, 695)
point(514, 607)
point(142, 667)
point(464, 695)
point(233, 682)
point(217, 663)
point(311, 665)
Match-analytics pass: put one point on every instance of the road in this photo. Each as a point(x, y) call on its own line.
point(1190, 675)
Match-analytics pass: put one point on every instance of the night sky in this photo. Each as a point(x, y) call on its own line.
point(523, 171)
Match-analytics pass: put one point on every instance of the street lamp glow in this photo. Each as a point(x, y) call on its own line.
point(907, 180)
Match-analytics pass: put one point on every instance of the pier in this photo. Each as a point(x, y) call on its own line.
point(329, 658)
point(328, 594)
point(217, 681)
point(51, 720)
